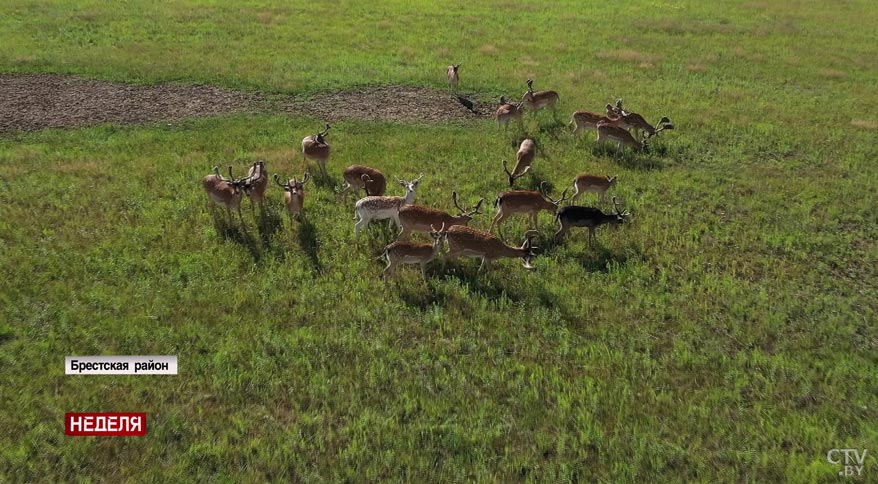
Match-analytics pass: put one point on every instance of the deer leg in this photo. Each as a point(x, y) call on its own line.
point(486, 265)
point(388, 271)
point(498, 219)
point(424, 270)
point(403, 234)
point(561, 232)
point(535, 218)
point(361, 224)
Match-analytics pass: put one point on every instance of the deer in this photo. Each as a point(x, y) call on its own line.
point(507, 112)
point(367, 178)
point(589, 120)
point(610, 133)
point(316, 148)
point(294, 196)
point(470, 242)
point(416, 218)
point(589, 217)
point(592, 183)
point(636, 123)
point(453, 76)
point(225, 191)
point(527, 152)
point(525, 202)
point(385, 207)
point(535, 101)
point(257, 179)
point(400, 252)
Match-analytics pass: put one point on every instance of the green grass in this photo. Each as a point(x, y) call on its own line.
point(727, 334)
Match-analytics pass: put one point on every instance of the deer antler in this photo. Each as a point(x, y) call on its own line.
point(455, 200)
point(282, 185)
point(307, 177)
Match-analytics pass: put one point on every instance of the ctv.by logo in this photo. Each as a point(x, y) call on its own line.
point(851, 458)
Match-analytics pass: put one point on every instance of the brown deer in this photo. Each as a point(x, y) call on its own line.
point(535, 101)
point(400, 252)
point(527, 202)
point(592, 183)
point(316, 148)
point(527, 152)
point(415, 218)
point(257, 179)
point(453, 76)
point(225, 191)
point(385, 207)
point(508, 112)
point(470, 242)
point(367, 178)
point(294, 196)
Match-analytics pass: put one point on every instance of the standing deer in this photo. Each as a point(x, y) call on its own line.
point(400, 252)
point(225, 191)
point(316, 148)
point(367, 178)
point(257, 179)
point(637, 124)
point(294, 196)
point(507, 112)
point(525, 202)
point(453, 76)
point(592, 183)
point(589, 217)
point(385, 207)
point(535, 101)
point(470, 242)
point(589, 120)
point(527, 152)
point(415, 218)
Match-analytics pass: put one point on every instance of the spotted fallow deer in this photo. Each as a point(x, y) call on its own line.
point(508, 112)
point(589, 120)
point(527, 202)
point(470, 242)
point(257, 179)
point(416, 218)
point(527, 152)
point(592, 183)
point(400, 252)
point(589, 217)
point(385, 207)
point(367, 178)
point(316, 148)
point(294, 196)
point(609, 133)
point(453, 76)
point(637, 124)
point(224, 191)
point(537, 100)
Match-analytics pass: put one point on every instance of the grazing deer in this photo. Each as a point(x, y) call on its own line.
point(257, 180)
point(385, 207)
point(636, 123)
point(470, 242)
point(316, 148)
point(400, 252)
point(592, 183)
point(294, 196)
point(415, 218)
point(589, 120)
point(507, 112)
point(225, 191)
point(535, 101)
point(592, 218)
point(453, 76)
point(525, 202)
point(609, 133)
point(527, 152)
point(369, 179)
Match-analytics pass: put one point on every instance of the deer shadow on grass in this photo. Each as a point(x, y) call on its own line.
point(268, 223)
point(236, 232)
point(309, 243)
point(480, 283)
point(629, 159)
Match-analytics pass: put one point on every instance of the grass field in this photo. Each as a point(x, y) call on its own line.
point(727, 334)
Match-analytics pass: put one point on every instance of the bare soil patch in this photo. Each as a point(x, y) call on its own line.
point(31, 102)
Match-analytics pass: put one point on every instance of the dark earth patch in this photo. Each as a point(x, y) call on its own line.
point(31, 102)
